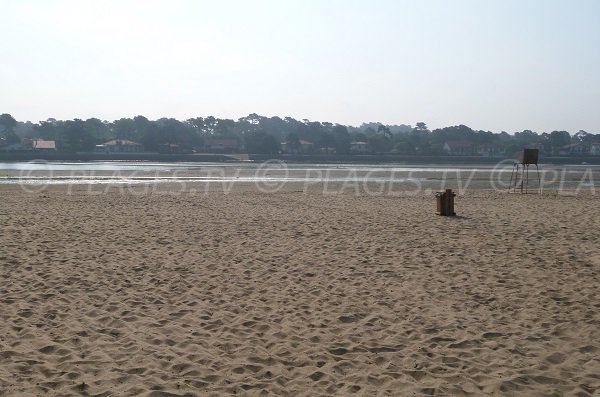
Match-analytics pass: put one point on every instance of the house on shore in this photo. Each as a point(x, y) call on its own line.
point(489, 150)
point(27, 145)
point(169, 148)
point(327, 150)
point(575, 149)
point(359, 147)
point(595, 149)
point(41, 145)
point(227, 145)
point(120, 146)
point(300, 147)
point(458, 148)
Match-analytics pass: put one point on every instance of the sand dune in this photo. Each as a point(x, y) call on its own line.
point(298, 294)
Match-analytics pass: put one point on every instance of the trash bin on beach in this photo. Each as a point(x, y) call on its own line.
point(445, 203)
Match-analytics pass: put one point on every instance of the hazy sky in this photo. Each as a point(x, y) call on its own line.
point(493, 65)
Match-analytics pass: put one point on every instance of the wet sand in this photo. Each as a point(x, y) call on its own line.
point(298, 294)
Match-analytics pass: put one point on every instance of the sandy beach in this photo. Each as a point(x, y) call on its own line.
point(298, 294)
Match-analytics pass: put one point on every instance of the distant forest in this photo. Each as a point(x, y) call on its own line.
point(272, 135)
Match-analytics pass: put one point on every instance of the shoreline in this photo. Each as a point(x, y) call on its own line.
point(308, 159)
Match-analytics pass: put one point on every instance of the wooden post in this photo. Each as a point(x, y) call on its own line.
point(441, 203)
point(450, 203)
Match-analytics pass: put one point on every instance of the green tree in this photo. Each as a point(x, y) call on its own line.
point(326, 141)
point(385, 130)
point(454, 133)
point(98, 129)
point(150, 138)
point(48, 130)
point(583, 137)
point(75, 137)
point(7, 129)
point(140, 126)
point(559, 139)
point(359, 137)
point(379, 143)
point(403, 147)
point(292, 142)
point(259, 142)
point(341, 138)
point(421, 126)
point(7, 123)
point(124, 128)
point(173, 132)
point(225, 128)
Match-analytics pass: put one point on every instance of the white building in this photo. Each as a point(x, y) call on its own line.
point(359, 147)
point(120, 146)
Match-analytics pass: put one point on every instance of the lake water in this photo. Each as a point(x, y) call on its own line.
point(119, 172)
point(149, 167)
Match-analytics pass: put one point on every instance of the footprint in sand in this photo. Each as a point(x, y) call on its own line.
point(595, 259)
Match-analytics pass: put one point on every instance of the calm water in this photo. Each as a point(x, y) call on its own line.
point(272, 171)
point(151, 167)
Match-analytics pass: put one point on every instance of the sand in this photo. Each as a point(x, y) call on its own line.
point(298, 294)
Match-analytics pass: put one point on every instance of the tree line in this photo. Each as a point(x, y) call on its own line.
point(270, 135)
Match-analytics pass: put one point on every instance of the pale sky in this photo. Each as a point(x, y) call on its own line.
point(490, 64)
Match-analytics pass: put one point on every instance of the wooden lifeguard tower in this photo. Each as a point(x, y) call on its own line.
point(525, 158)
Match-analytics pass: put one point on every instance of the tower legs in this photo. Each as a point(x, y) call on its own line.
point(524, 178)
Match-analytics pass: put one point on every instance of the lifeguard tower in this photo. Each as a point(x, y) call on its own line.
point(520, 171)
